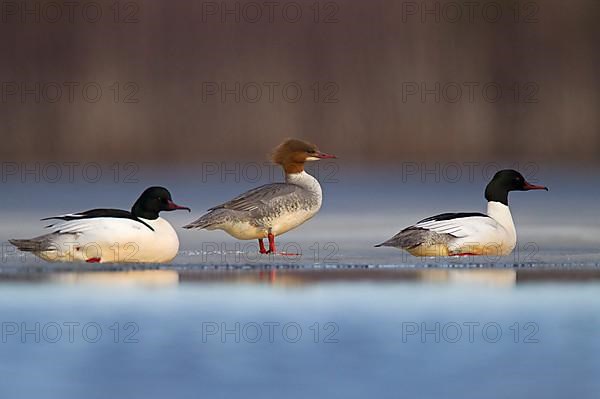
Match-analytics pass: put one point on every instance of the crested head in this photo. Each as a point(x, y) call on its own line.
point(152, 201)
point(505, 181)
point(293, 153)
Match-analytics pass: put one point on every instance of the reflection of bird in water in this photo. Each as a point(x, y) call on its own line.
point(268, 275)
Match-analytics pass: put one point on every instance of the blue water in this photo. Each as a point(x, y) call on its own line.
point(342, 319)
point(372, 339)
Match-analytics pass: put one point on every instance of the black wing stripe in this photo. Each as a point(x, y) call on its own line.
point(450, 216)
point(100, 213)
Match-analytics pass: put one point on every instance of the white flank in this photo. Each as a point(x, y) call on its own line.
point(112, 240)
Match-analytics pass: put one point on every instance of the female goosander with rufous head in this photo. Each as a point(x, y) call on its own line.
point(450, 234)
point(111, 235)
point(272, 209)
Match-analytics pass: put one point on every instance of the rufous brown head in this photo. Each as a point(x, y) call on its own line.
point(293, 153)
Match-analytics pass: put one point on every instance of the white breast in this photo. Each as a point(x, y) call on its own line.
point(307, 182)
point(287, 221)
point(506, 232)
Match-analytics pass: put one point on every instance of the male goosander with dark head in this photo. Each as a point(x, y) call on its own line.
point(111, 235)
point(272, 209)
point(451, 234)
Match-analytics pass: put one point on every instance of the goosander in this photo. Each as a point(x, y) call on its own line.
point(111, 235)
point(272, 209)
point(450, 234)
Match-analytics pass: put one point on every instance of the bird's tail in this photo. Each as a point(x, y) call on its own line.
point(392, 242)
point(206, 221)
point(37, 244)
point(404, 239)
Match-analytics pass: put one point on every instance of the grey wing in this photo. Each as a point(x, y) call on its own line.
point(258, 198)
point(431, 231)
point(248, 206)
point(413, 236)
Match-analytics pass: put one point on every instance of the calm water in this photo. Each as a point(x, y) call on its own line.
point(154, 336)
point(341, 319)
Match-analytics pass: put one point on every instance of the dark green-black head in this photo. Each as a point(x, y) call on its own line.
point(507, 180)
point(152, 201)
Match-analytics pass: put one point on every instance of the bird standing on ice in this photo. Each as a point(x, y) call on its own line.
point(111, 235)
point(451, 234)
point(272, 209)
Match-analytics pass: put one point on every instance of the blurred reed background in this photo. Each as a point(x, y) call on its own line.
point(357, 63)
